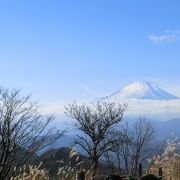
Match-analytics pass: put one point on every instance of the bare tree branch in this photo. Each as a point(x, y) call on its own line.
point(96, 123)
point(23, 131)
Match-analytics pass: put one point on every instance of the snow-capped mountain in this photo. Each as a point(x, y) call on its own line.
point(146, 99)
point(140, 91)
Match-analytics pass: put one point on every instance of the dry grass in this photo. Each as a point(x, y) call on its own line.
point(31, 173)
point(169, 161)
point(67, 170)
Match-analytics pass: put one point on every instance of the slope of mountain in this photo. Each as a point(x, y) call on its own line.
point(51, 159)
point(146, 99)
point(141, 90)
point(168, 129)
point(164, 130)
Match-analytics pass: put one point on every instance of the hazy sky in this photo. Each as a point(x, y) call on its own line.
point(65, 50)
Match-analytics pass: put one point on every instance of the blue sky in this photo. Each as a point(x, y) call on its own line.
point(66, 50)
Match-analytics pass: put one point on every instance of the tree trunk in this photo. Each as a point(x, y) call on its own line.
point(94, 166)
point(136, 167)
point(119, 162)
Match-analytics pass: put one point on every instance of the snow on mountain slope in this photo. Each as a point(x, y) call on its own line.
point(142, 90)
point(146, 99)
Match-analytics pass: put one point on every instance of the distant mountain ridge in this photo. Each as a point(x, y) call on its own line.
point(141, 90)
point(164, 130)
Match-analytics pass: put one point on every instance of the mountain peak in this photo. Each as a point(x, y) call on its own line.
point(143, 90)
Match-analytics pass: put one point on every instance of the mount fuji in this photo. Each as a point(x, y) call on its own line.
point(146, 99)
point(141, 91)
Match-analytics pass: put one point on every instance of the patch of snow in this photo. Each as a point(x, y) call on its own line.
point(141, 90)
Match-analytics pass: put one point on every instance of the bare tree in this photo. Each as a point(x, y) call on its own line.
point(135, 147)
point(124, 149)
point(23, 131)
point(143, 134)
point(113, 156)
point(109, 158)
point(96, 123)
point(119, 154)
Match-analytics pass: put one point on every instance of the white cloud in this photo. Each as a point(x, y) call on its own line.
point(58, 108)
point(154, 108)
point(167, 36)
